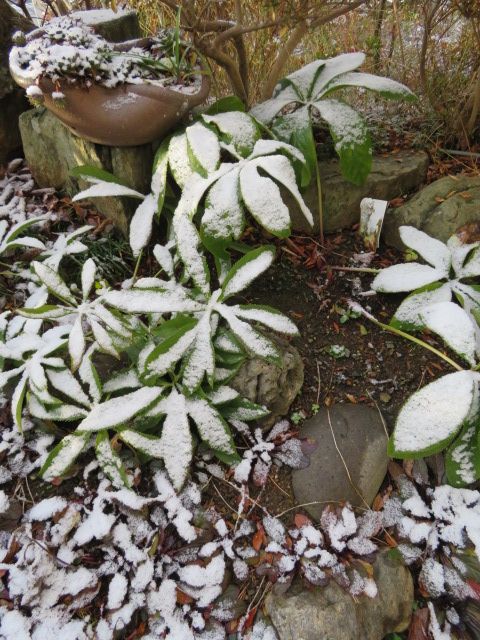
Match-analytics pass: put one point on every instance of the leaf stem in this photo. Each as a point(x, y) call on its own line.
point(320, 200)
point(415, 340)
point(354, 269)
point(137, 265)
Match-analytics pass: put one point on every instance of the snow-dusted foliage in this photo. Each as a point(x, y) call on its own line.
point(306, 94)
point(445, 413)
point(247, 182)
point(438, 528)
point(68, 49)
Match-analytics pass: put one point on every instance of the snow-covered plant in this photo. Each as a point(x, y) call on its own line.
point(438, 528)
point(248, 181)
point(305, 95)
point(316, 552)
point(445, 413)
point(66, 244)
point(280, 446)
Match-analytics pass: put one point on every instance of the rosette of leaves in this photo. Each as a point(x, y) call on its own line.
point(306, 94)
point(108, 328)
point(249, 181)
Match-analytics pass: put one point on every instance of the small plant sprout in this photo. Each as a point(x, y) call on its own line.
point(306, 94)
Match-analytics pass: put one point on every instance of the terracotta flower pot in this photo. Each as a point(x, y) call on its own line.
point(128, 115)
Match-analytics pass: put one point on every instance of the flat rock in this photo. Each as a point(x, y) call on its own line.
point(114, 26)
point(52, 151)
point(391, 176)
point(361, 440)
point(439, 209)
point(268, 384)
point(330, 613)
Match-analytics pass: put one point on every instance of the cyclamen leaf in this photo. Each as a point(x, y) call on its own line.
point(462, 460)
point(453, 325)
point(268, 316)
point(120, 410)
point(203, 149)
point(238, 128)
point(212, 427)
point(63, 456)
point(89, 270)
point(141, 224)
point(102, 189)
point(110, 461)
point(430, 249)
point(432, 417)
point(53, 282)
point(405, 277)
point(247, 269)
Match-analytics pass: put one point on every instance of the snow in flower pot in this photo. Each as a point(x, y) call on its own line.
point(122, 94)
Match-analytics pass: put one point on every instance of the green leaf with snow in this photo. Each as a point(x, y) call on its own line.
point(462, 459)
point(110, 462)
point(246, 270)
point(88, 172)
point(432, 417)
point(236, 128)
point(454, 326)
point(61, 458)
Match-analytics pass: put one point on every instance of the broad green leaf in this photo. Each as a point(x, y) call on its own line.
point(141, 224)
point(159, 174)
point(430, 249)
point(462, 460)
point(304, 79)
point(268, 316)
point(334, 67)
point(123, 380)
point(238, 128)
point(152, 301)
point(59, 413)
point(433, 416)
point(224, 216)
point(53, 282)
point(252, 340)
point(176, 439)
point(203, 149)
point(266, 111)
point(88, 171)
point(61, 458)
point(118, 411)
point(20, 227)
point(351, 138)
point(243, 409)
point(247, 269)
point(63, 380)
point(89, 271)
point(408, 276)
point(188, 241)
point(384, 86)
point(110, 461)
point(147, 444)
point(281, 170)
point(228, 103)
point(171, 350)
point(178, 159)
point(453, 325)
point(46, 311)
point(76, 343)
point(107, 190)
point(211, 426)
point(407, 316)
